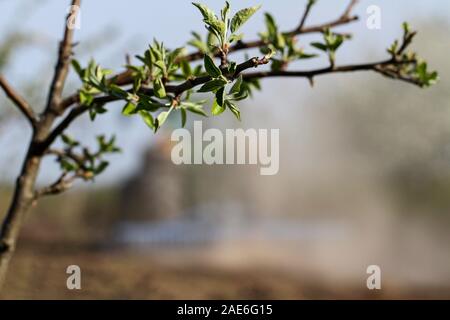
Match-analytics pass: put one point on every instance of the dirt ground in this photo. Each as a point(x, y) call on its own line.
point(38, 271)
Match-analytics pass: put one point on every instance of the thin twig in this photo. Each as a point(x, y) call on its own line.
point(62, 66)
point(61, 185)
point(19, 101)
point(349, 9)
point(309, 5)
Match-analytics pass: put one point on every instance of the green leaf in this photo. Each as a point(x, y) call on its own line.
point(161, 65)
point(236, 37)
point(393, 48)
point(242, 17)
point(196, 108)
point(320, 46)
point(232, 67)
point(217, 109)
point(86, 99)
point(337, 42)
point(234, 109)
point(129, 109)
point(220, 96)
point(68, 165)
point(148, 119)
point(146, 104)
point(406, 28)
point(426, 78)
point(210, 18)
point(211, 68)
point(159, 89)
point(186, 68)
point(225, 11)
point(207, 13)
point(213, 85)
point(162, 117)
point(69, 141)
point(236, 88)
point(183, 117)
point(301, 55)
point(271, 26)
point(117, 91)
point(76, 66)
point(102, 166)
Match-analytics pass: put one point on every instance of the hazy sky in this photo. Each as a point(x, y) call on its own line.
point(128, 27)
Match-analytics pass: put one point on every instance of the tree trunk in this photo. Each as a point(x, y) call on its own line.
point(21, 202)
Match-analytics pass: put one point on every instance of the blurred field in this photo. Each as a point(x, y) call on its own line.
point(38, 272)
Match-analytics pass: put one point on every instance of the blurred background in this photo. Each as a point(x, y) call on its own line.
point(364, 169)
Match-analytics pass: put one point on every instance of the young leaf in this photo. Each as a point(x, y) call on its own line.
point(162, 117)
point(320, 46)
point(86, 99)
point(148, 119)
point(236, 37)
point(102, 166)
point(158, 86)
point(211, 68)
point(242, 17)
point(76, 66)
point(68, 165)
point(183, 117)
point(196, 108)
point(217, 109)
point(186, 68)
point(69, 141)
point(272, 28)
point(225, 11)
point(234, 109)
point(236, 88)
point(210, 18)
point(220, 96)
point(213, 85)
point(129, 109)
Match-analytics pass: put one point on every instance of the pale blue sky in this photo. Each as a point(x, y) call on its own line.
point(128, 27)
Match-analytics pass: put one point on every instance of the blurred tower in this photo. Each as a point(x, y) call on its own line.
point(155, 190)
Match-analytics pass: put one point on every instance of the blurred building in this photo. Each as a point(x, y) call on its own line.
point(155, 191)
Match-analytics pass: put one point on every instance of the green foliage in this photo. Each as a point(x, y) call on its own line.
point(152, 95)
point(223, 28)
point(424, 77)
point(81, 161)
point(281, 47)
point(211, 68)
point(410, 66)
point(242, 17)
point(332, 42)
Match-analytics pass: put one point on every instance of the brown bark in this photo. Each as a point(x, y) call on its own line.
point(24, 193)
point(21, 202)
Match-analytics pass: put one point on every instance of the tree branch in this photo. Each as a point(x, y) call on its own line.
point(62, 66)
point(379, 67)
point(175, 89)
point(309, 6)
point(61, 185)
point(19, 101)
point(349, 9)
point(125, 77)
